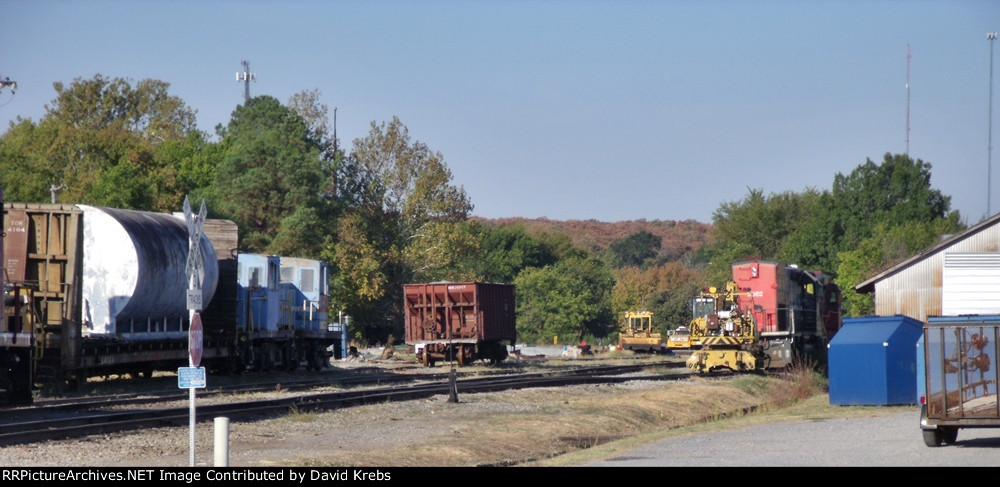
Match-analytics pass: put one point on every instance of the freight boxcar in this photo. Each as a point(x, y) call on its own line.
point(960, 378)
point(462, 321)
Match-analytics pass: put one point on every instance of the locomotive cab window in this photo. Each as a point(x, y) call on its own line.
point(308, 281)
point(253, 276)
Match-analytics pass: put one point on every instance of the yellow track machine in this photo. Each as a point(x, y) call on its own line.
point(638, 334)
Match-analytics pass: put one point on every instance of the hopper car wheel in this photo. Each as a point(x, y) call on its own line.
point(933, 438)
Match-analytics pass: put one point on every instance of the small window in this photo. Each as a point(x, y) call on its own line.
point(308, 280)
point(288, 274)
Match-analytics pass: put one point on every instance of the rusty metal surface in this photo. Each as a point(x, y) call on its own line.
point(459, 311)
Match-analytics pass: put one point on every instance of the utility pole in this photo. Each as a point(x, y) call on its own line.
point(907, 99)
point(246, 77)
point(992, 36)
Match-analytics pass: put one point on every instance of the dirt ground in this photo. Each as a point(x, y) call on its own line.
point(503, 428)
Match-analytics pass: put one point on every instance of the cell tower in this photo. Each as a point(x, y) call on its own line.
point(7, 83)
point(246, 77)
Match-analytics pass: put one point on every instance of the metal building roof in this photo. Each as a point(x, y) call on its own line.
point(869, 285)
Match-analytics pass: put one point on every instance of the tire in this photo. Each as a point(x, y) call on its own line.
point(932, 438)
point(949, 434)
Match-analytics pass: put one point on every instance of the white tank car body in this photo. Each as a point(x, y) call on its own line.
point(135, 273)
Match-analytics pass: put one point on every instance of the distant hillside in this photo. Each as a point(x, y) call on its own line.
point(679, 237)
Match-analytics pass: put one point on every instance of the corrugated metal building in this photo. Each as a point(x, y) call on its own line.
point(915, 286)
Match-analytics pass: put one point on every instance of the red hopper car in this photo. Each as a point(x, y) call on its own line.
point(463, 321)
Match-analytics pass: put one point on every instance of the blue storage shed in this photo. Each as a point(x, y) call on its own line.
point(873, 361)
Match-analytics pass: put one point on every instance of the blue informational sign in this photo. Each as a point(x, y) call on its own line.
point(191, 377)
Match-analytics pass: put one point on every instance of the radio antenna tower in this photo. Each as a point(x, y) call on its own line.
point(907, 99)
point(246, 77)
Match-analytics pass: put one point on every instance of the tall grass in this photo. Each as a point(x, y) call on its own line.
point(801, 380)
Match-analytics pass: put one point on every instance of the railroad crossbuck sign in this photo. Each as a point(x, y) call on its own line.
point(194, 268)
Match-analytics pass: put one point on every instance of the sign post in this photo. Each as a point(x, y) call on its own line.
point(194, 376)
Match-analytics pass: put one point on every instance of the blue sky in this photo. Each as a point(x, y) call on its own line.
point(570, 110)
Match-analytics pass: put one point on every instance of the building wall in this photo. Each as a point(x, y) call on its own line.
point(916, 290)
point(971, 283)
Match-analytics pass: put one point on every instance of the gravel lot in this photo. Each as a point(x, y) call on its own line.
point(885, 441)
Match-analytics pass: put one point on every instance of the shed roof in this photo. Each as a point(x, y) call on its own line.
point(869, 285)
point(876, 330)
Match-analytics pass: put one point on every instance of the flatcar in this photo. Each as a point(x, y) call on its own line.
point(94, 291)
point(460, 321)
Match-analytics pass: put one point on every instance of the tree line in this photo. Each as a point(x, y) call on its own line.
point(387, 212)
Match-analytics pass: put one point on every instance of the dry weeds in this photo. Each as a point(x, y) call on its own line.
point(531, 426)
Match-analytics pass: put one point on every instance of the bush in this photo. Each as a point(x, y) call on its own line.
point(800, 381)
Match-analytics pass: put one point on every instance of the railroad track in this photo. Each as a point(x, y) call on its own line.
point(98, 422)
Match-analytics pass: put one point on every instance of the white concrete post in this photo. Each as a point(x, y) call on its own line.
point(221, 442)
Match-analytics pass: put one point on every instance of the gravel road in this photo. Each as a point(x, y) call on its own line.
point(889, 441)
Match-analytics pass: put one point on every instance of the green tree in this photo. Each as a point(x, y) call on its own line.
point(192, 162)
point(635, 249)
point(26, 172)
point(896, 192)
point(505, 250)
point(97, 143)
point(272, 176)
point(665, 290)
point(404, 218)
point(568, 300)
point(758, 226)
point(888, 246)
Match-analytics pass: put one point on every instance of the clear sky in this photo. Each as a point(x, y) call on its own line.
point(570, 110)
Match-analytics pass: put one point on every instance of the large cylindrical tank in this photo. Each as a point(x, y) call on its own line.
point(135, 273)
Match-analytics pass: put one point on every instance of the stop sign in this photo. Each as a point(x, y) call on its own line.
point(194, 340)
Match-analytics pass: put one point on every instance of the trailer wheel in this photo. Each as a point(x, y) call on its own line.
point(932, 438)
